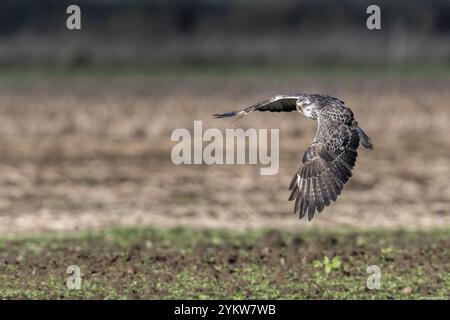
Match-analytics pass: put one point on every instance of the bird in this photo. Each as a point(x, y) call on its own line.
point(327, 162)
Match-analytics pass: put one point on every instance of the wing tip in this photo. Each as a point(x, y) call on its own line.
point(224, 115)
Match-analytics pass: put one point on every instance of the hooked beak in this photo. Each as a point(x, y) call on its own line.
point(300, 107)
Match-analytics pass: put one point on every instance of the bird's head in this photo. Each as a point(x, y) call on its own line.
point(305, 105)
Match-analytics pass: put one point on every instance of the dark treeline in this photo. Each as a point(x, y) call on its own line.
point(180, 30)
point(187, 16)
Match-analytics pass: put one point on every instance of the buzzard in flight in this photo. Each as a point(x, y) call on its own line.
point(329, 159)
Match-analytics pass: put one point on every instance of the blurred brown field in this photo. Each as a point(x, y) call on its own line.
point(94, 152)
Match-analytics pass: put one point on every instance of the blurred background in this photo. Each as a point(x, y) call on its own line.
point(194, 33)
point(86, 115)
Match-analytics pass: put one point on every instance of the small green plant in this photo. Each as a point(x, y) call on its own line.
point(388, 250)
point(327, 264)
point(388, 253)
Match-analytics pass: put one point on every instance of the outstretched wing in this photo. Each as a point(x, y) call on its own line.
point(279, 103)
point(326, 167)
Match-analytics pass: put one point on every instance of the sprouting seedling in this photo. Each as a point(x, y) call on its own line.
point(328, 265)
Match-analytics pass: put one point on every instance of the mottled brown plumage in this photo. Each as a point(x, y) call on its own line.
point(329, 159)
